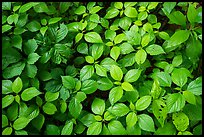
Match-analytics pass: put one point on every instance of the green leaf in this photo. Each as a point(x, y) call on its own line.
point(143, 102)
point(68, 82)
point(175, 102)
point(4, 121)
point(180, 120)
point(89, 59)
point(168, 128)
point(49, 96)
point(64, 6)
point(82, 48)
point(178, 18)
point(132, 75)
point(20, 123)
point(176, 39)
point(38, 122)
point(75, 107)
point(32, 58)
point(179, 76)
point(7, 130)
point(27, 6)
point(97, 51)
point(6, 27)
point(125, 23)
point(33, 26)
point(168, 7)
point(31, 70)
point(152, 18)
point(126, 48)
point(107, 63)
point(17, 85)
point(193, 49)
point(89, 86)
point(142, 15)
point(140, 56)
point(177, 60)
point(93, 37)
point(131, 119)
point(80, 96)
point(118, 5)
point(12, 18)
point(110, 34)
point(164, 78)
point(86, 72)
point(78, 37)
point(6, 86)
point(100, 70)
point(194, 112)
point(95, 9)
point(7, 100)
point(49, 108)
point(67, 129)
point(17, 41)
point(115, 52)
point(95, 128)
point(104, 84)
point(6, 5)
point(154, 49)
point(119, 38)
point(98, 106)
point(29, 93)
point(87, 119)
point(52, 130)
point(62, 32)
point(152, 5)
point(116, 128)
point(146, 123)
point(164, 35)
point(159, 110)
point(54, 20)
point(195, 86)
point(13, 70)
point(119, 109)
point(189, 97)
point(30, 46)
point(115, 94)
point(80, 10)
point(116, 73)
point(95, 18)
point(145, 40)
point(113, 12)
point(53, 86)
point(12, 111)
point(127, 86)
point(130, 12)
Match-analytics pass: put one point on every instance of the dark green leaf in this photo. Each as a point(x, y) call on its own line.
point(75, 107)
